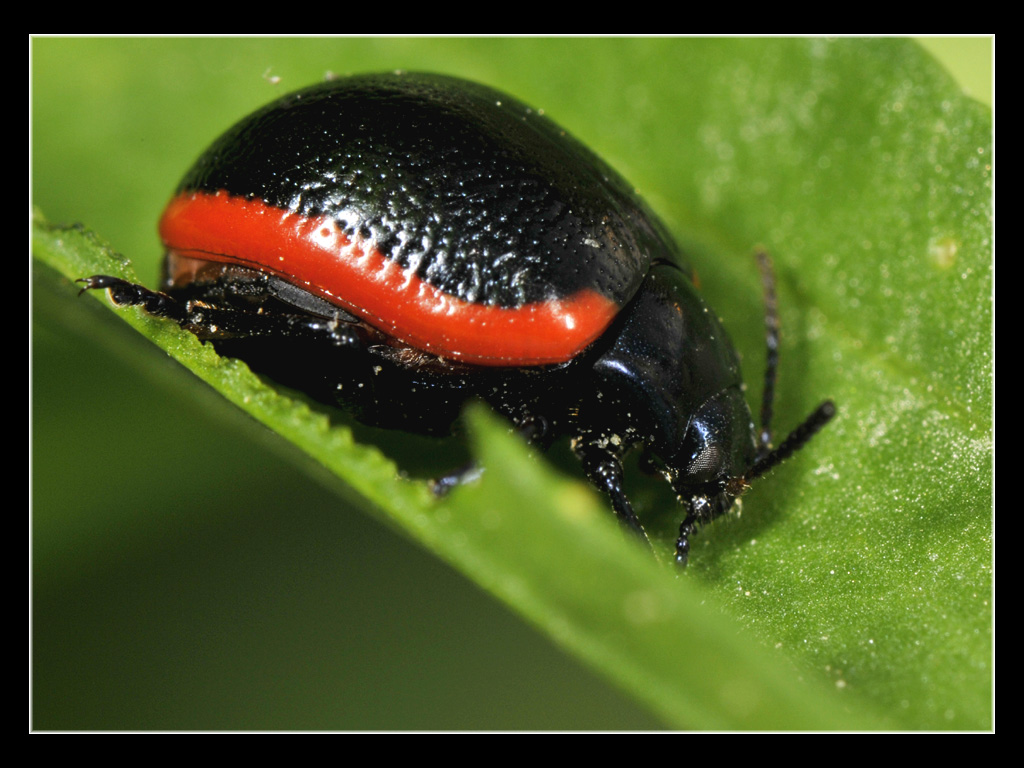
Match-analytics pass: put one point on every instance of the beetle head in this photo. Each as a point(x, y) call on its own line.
point(707, 468)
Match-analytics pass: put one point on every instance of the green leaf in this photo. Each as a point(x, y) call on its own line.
point(863, 565)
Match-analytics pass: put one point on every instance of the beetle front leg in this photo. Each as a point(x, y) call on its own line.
point(604, 469)
point(702, 510)
point(686, 530)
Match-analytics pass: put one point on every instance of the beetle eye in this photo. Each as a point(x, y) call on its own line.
point(717, 444)
point(706, 461)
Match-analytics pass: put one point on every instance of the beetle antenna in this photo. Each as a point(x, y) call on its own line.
point(796, 440)
point(771, 323)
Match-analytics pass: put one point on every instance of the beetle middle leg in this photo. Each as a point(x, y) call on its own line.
point(533, 429)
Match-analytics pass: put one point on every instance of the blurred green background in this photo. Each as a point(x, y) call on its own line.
point(189, 570)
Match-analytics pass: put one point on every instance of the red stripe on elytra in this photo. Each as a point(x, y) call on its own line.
point(315, 254)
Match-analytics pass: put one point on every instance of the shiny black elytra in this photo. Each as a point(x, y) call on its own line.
point(399, 244)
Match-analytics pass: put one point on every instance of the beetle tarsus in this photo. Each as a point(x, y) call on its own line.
point(443, 485)
point(533, 429)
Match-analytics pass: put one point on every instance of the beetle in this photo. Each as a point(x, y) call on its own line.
point(398, 244)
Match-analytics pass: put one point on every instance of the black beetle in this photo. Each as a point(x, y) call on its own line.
point(398, 244)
